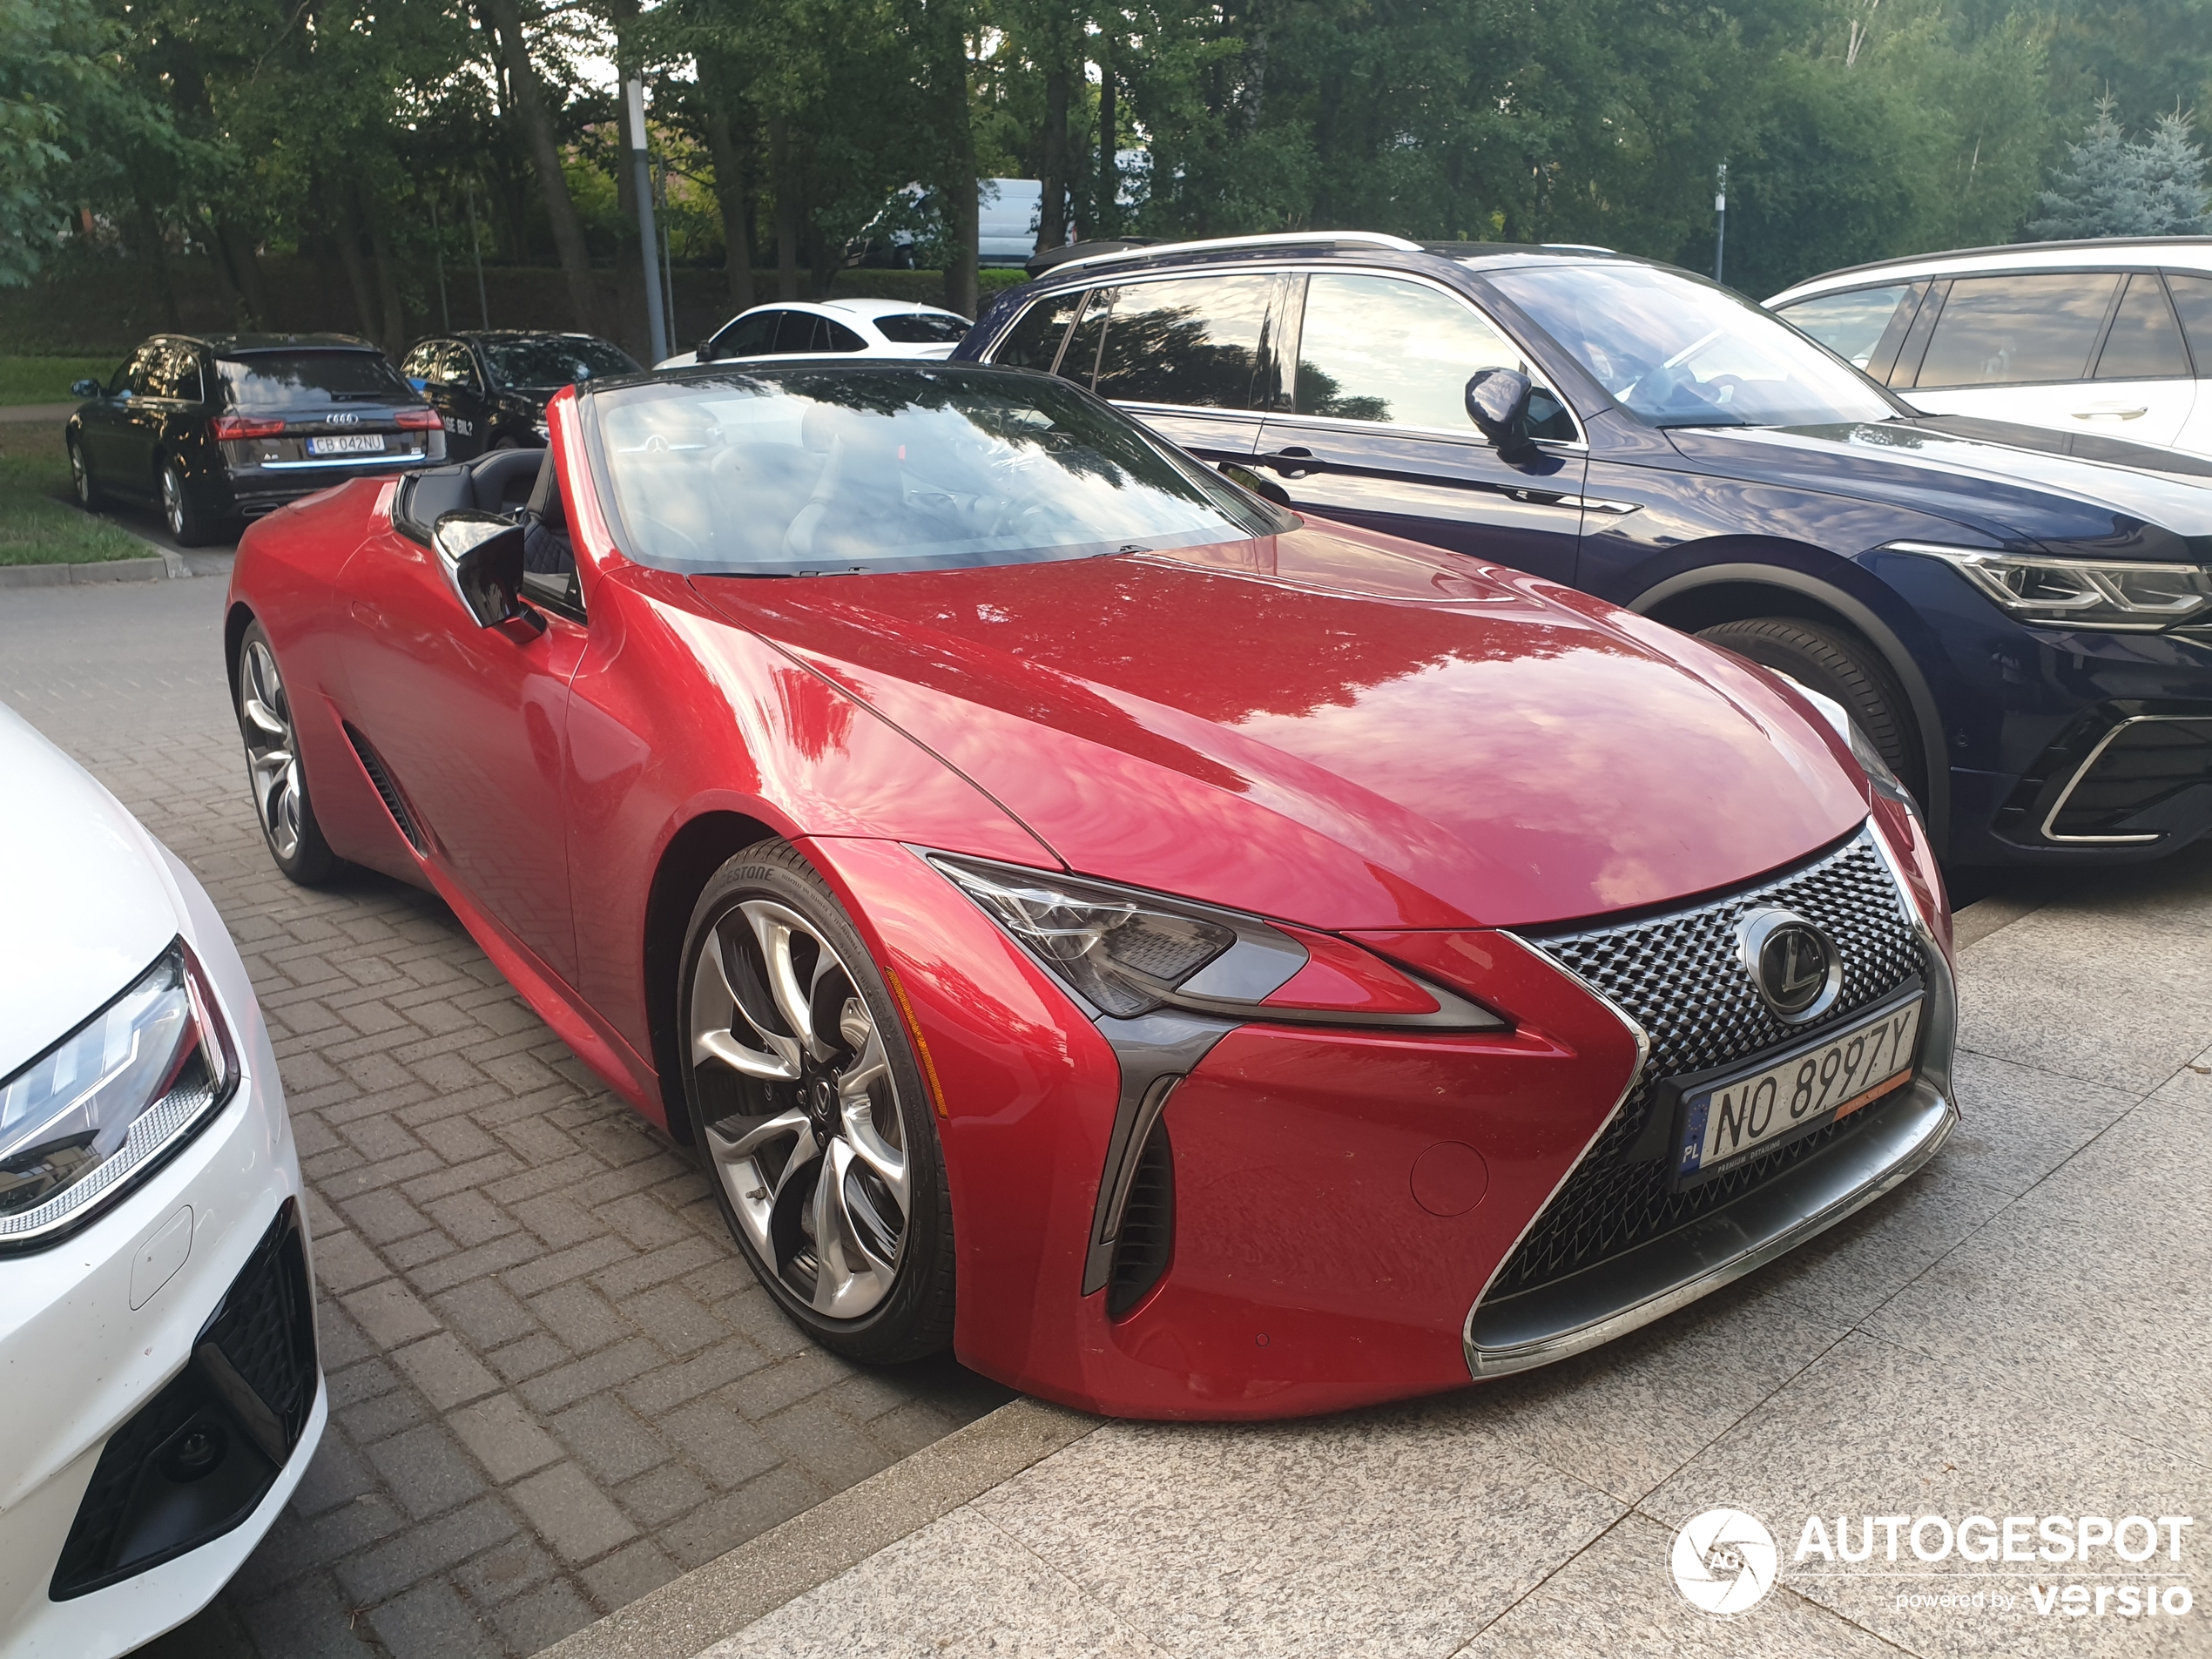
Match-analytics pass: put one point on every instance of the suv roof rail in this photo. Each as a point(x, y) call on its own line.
point(1279, 239)
point(2118, 247)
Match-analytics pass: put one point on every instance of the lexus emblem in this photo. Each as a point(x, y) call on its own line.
point(1792, 964)
point(342, 420)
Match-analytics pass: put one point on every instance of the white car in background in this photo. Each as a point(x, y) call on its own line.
point(2112, 339)
point(157, 1362)
point(847, 327)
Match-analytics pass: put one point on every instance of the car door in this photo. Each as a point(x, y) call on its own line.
point(1377, 433)
point(471, 726)
point(1194, 358)
point(107, 419)
point(446, 369)
point(2026, 347)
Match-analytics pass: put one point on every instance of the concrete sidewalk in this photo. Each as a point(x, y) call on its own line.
point(2020, 1331)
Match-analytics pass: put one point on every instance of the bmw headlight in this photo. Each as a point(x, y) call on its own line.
point(2079, 593)
point(1127, 953)
point(102, 1106)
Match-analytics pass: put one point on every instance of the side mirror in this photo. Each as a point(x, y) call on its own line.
point(1498, 404)
point(84, 388)
point(705, 351)
point(483, 559)
point(1266, 488)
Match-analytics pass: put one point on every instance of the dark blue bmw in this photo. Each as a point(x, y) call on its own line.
point(2020, 621)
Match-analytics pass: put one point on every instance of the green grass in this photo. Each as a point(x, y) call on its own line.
point(39, 522)
point(46, 380)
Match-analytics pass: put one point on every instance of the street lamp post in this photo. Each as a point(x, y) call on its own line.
point(648, 239)
point(1720, 222)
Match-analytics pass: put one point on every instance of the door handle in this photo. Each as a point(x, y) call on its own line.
point(1293, 461)
point(2111, 411)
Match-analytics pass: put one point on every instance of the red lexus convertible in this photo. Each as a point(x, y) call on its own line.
point(1193, 960)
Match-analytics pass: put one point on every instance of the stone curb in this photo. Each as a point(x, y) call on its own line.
point(691, 1614)
point(166, 565)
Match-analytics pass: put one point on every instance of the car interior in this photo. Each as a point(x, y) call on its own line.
point(516, 484)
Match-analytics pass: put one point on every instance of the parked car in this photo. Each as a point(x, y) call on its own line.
point(221, 426)
point(2024, 630)
point(1195, 962)
point(843, 328)
point(490, 386)
point(157, 1317)
point(2104, 338)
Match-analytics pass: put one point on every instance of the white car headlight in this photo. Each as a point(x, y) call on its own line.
point(2055, 592)
point(102, 1107)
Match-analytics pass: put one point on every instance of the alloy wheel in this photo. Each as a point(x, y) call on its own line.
point(172, 504)
point(80, 477)
point(814, 1158)
point(272, 754)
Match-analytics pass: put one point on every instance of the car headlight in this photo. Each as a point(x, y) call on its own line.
point(100, 1108)
point(2079, 593)
point(1128, 953)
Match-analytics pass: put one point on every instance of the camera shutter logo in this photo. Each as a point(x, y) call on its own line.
point(1725, 1561)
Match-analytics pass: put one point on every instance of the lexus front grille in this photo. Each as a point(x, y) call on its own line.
point(1679, 977)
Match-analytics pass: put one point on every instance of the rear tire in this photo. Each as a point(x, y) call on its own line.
point(811, 1115)
point(274, 768)
point(186, 522)
point(1839, 664)
point(82, 483)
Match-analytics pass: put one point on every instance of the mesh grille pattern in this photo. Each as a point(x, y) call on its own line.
point(1679, 977)
point(394, 803)
point(1147, 1237)
point(266, 1330)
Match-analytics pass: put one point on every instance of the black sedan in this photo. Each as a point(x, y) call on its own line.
point(219, 427)
point(491, 385)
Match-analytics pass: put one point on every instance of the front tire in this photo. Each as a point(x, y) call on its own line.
point(186, 521)
point(1840, 663)
point(809, 1110)
point(273, 766)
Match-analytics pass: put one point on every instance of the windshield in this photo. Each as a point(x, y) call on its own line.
point(1682, 353)
point(922, 327)
point(287, 379)
point(553, 360)
point(815, 470)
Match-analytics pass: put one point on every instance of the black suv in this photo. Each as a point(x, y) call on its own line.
point(491, 385)
point(219, 427)
point(2021, 621)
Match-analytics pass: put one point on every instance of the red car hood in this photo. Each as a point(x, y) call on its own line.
point(1331, 727)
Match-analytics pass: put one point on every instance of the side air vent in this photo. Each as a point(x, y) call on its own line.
point(394, 803)
point(1146, 1238)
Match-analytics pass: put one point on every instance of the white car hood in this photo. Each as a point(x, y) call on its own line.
point(88, 904)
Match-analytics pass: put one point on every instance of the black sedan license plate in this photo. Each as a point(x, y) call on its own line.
point(348, 443)
point(1730, 1119)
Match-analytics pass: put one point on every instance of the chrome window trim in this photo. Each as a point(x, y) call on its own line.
point(2081, 775)
point(1324, 239)
point(1901, 1136)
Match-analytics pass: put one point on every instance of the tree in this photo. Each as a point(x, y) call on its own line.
point(2111, 187)
point(2173, 190)
point(504, 18)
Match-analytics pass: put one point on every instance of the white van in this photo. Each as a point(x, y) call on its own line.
point(2110, 338)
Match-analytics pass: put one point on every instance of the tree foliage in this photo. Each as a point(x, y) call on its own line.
point(373, 138)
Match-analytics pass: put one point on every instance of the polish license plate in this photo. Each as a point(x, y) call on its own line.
point(348, 443)
point(1730, 1119)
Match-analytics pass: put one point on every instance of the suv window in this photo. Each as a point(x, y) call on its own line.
point(2145, 343)
point(2016, 330)
point(143, 372)
point(1377, 348)
point(284, 380)
point(1202, 342)
point(416, 364)
point(1080, 362)
point(1034, 342)
point(457, 365)
point(2193, 299)
point(798, 331)
point(1851, 324)
point(839, 338)
point(175, 372)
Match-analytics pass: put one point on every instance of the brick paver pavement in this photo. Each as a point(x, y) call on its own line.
point(554, 1383)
